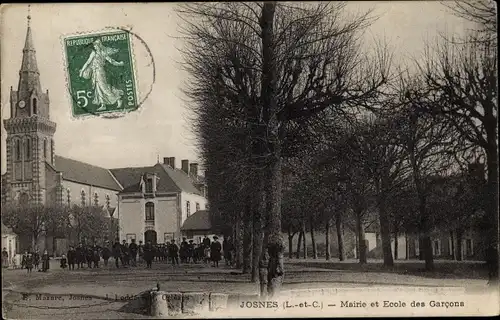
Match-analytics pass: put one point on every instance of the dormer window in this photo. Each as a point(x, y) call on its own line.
point(149, 185)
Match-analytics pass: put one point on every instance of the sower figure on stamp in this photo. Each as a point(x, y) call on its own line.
point(104, 93)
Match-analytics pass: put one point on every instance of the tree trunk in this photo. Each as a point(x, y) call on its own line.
point(492, 190)
point(247, 239)
point(407, 247)
point(53, 245)
point(340, 237)
point(290, 242)
point(395, 246)
point(327, 239)
point(460, 236)
point(304, 242)
point(426, 237)
point(385, 232)
point(258, 233)
point(238, 243)
point(361, 238)
point(275, 131)
point(299, 242)
point(313, 240)
point(452, 245)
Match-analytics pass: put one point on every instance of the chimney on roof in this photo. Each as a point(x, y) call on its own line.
point(193, 169)
point(185, 166)
point(172, 162)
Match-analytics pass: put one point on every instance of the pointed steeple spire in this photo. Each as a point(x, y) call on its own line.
point(29, 76)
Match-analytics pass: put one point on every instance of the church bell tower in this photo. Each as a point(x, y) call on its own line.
point(30, 133)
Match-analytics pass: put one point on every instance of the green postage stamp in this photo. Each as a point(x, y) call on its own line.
point(100, 73)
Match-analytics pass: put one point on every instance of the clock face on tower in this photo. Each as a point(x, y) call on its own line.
point(21, 104)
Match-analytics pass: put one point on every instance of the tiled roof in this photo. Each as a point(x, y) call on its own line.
point(200, 220)
point(181, 179)
point(170, 180)
point(130, 179)
point(85, 173)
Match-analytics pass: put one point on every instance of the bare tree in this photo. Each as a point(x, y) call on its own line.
point(274, 64)
point(461, 78)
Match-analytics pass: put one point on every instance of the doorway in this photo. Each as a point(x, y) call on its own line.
point(150, 235)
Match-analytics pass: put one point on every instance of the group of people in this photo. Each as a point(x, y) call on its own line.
point(126, 254)
point(31, 260)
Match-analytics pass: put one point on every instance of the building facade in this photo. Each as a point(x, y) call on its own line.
point(150, 202)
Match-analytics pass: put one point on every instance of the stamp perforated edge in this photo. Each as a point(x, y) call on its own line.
point(109, 114)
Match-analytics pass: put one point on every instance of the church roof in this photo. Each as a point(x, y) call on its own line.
point(198, 221)
point(85, 173)
point(170, 180)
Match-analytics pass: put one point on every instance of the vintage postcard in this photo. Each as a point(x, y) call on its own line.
point(249, 159)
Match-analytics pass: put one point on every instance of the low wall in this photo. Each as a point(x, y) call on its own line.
point(164, 303)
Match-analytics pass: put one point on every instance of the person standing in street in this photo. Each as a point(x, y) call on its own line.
point(215, 249)
point(117, 252)
point(80, 255)
point(45, 261)
point(5, 258)
point(29, 262)
point(71, 258)
point(106, 253)
point(140, 249)
point(125, 253)
point(132, 248)
point(183, 250)
point(36, 258)
point(148, 254)
point(173, 252)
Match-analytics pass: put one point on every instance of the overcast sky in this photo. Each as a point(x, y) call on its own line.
point(159, 128)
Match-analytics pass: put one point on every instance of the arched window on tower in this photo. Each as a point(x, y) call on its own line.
point(82, 198)
point(150, 211)
point(27, 147)
point(44, 148)
point(18, 150)
point(35, 105)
